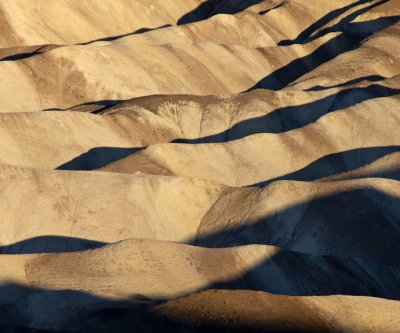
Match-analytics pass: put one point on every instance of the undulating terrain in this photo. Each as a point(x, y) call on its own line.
point(200, 166)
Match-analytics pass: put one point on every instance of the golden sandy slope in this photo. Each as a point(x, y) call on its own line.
point(200, 165)
point(26, 23)
point(123, 69)
point(224, 309)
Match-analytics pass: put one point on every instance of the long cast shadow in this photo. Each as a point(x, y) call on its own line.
point(76, 311)
point(296, 274)
point(344, 25)
point(68, 309)
point(369, 78)
point(278, 121)
point(338, 163)
point(294, 117)
point(51, 244)
point(307, 33)
point(349, 39)
point(112, 38)
point(285, 273)
point(362, 223)
point(213, 7)
point(92, 107)
point(97, 158)
point(30, 52)
point(359, 223)
point(45, 48)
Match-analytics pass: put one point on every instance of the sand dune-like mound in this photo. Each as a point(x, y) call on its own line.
point(347, 219)
point(217, 311)
point(103, 71)
point(223, 310)
point(77, 140)
point(39, 22)
point(387, 166)
point(200, 166)
point(81, 141)
point(151, 270)
point(322, 218)
point(248, 160)
point(178, 68)
point(74, 211)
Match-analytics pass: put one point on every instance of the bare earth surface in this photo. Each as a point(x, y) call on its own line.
point(200, 166)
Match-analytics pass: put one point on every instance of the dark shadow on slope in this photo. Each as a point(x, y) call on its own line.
point(10, 292)
point(50, 244)
point(200, 13)
point(370, 78)
point(45, 48)
point(285, 273)
point(278, 121)
point(278, 5)
point(97, 158)
point(346, 161)
point(32, 51)
point(21, 56)
point(90, 107)
point(213, 7)
point(343, 25)
point(48, 309)
point(294, 117)
point(25, 329)
point(307, 33)
point(76, 311)
point(296, 274)
point(112, 38)
point(354, 223)
point(348, 40)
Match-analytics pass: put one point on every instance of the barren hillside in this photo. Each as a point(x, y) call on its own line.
point(200, 166)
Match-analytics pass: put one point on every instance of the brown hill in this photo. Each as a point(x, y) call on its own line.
point(199, 166)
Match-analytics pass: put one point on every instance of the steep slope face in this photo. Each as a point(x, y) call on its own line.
point(78, 141)
point(372, 61)
point(27, 23)
point(200, 166)
point(155, 270)
point(246, 161)
point(217, 311)
point(347, 219)
point(225, 118)
point(83, 211)
point(224, 309)
point(387, 166)
point(104, 71)
point(73, 211)
point(38, 22)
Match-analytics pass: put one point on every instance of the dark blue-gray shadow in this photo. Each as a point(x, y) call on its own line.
point(97, 158)
point(350, 38)
point(50, 244)
point(359, 223)
point(338, 163)
point(293, 117)
point(369, 78)
point(213, 7)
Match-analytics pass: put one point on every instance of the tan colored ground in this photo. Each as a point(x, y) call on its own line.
point(281, 313)
point(192, 166)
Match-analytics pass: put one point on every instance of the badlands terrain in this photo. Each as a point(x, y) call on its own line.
point(200, 166)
